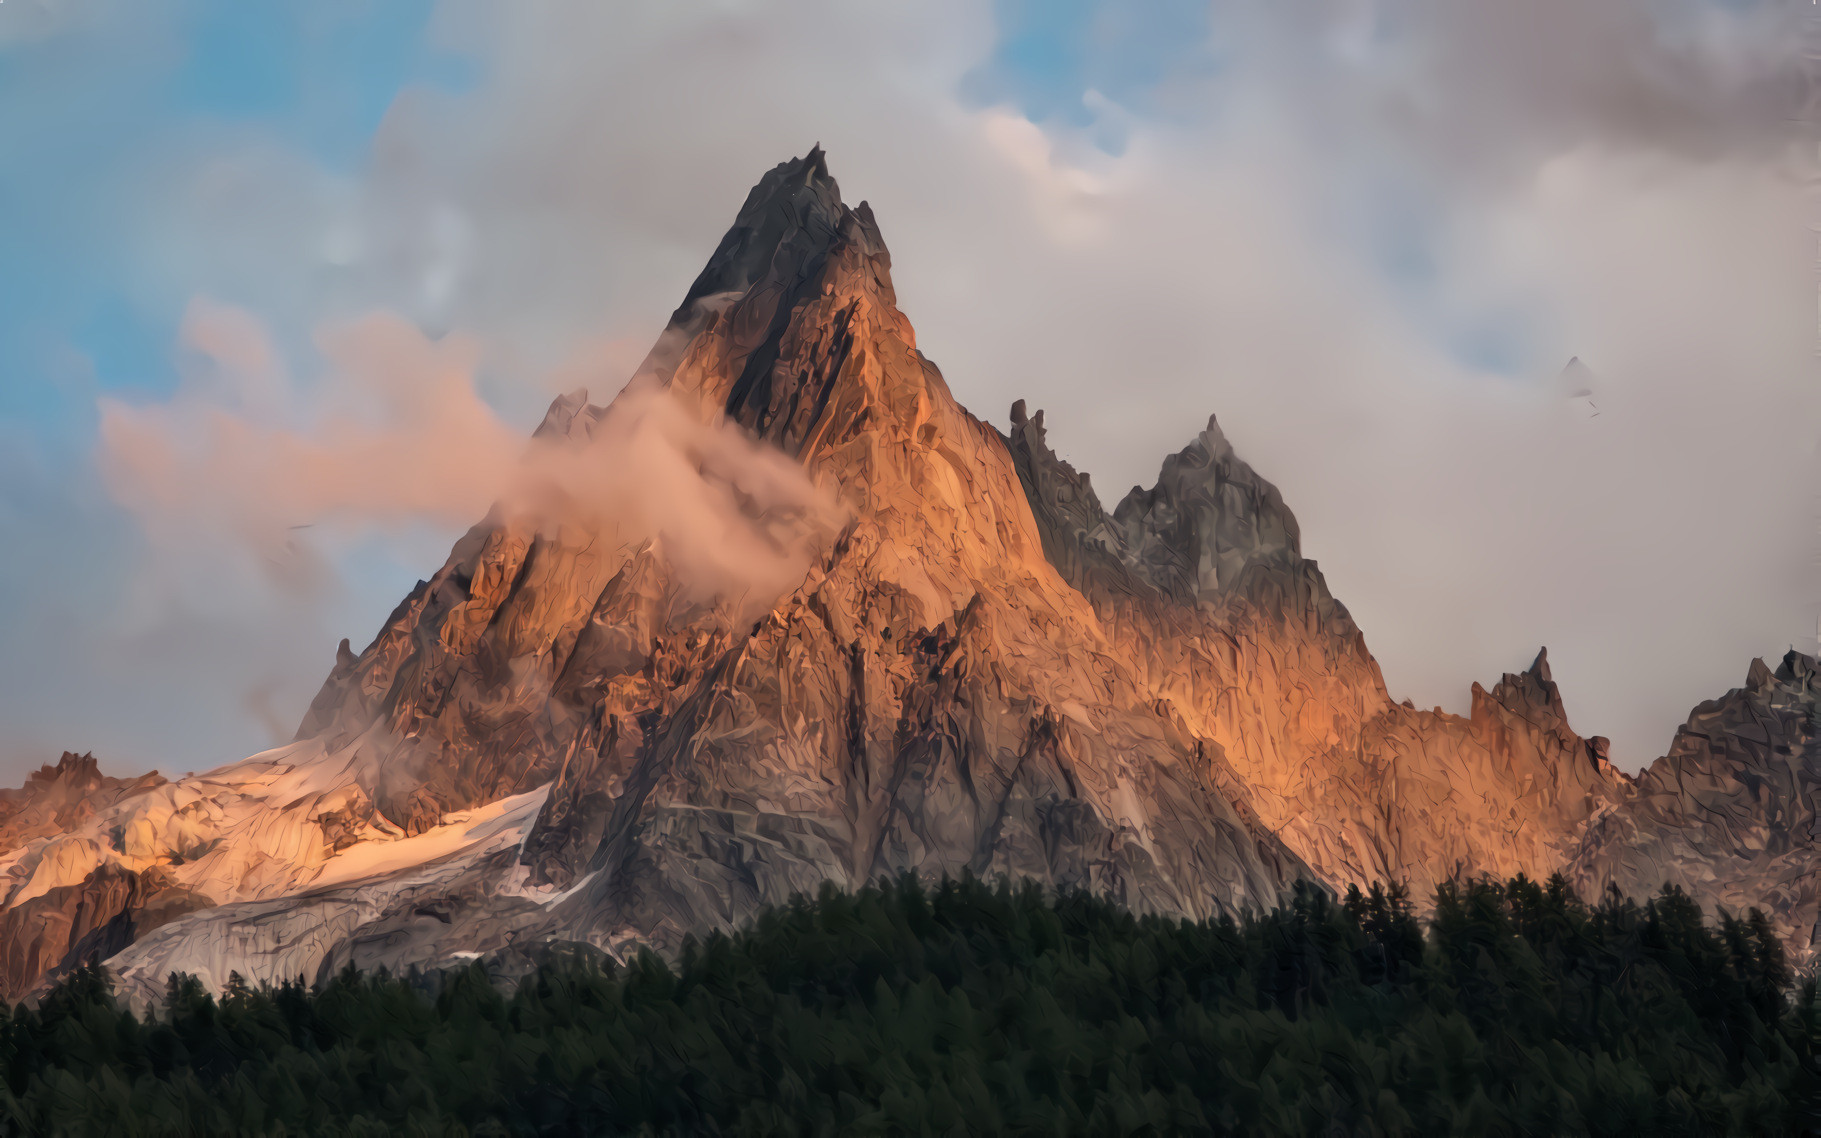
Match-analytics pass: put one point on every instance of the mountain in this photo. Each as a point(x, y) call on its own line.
point(1729, 813)
point(1201, 579)
point(862, 633)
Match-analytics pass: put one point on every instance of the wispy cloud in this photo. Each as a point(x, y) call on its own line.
point(395, 433)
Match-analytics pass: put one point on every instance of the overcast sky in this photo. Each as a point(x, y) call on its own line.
point(1368, 236)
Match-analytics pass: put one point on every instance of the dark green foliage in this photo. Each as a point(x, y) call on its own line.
point(965, 1008)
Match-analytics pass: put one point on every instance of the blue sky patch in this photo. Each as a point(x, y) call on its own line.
point(1051, 53)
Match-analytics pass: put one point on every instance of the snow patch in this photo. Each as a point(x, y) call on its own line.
point(498, 824)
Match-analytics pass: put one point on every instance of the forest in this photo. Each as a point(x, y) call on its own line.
point(967, 1007)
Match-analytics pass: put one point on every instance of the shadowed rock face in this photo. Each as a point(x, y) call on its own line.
point(561, 736)
point(1729, 813)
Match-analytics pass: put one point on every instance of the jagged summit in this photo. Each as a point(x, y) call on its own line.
point(794, 213)
point(1799, 668)
point(1536, 687)
point(1729, 812)
point(1758, 677)
point(791, 222)
point(1202, 576)
point(1191, 536)
point(569, 732)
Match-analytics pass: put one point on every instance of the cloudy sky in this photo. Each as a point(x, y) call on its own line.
point(1368, 235)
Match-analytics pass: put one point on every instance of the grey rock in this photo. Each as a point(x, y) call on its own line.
point(984, 672)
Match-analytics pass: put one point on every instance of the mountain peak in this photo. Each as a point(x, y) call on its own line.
point(1540, 666)
point(1800, 669)
point(562, 414)
point(1215, 440)
point(563, 734)
point(794, 212)
point(1535, 689)
point(796, 257)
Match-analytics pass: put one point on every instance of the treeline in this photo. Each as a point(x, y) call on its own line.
point(967, 1008)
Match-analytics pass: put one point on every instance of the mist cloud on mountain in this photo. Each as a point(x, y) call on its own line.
point(1368, 235)
point(240, 461)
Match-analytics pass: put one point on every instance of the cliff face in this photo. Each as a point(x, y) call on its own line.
point(1729, 813)
point(932, 696)
point(1201, 581)
point(49, 933)
point(965, 665)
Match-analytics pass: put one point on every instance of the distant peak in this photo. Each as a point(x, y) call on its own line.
point(561, 416)
point(1799, 668)
point(1215, 440)
point(798, 204)
point(1576, 380)
point(72, 763)
point(1540, 666)
point(1020, 417)
point(1758, 676)
point(1533, 688)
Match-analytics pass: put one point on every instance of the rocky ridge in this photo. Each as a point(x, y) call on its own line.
point(558, 736)
point(1729, 813)
point(1201, 578)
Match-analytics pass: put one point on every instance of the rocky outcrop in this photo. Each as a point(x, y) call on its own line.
point(1201, 578)
point(57, 799)
point(965, 665)
point(1729, 813)
point(90, 916)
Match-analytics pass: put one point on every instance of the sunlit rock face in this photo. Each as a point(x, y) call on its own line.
point(59, 905)
point(832, 627)
point(1201, 582)
point(932, 696)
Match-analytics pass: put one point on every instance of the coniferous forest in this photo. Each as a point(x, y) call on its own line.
point(967, 1008)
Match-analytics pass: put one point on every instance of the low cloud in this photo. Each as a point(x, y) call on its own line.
point(395, 433)
point(736, 518)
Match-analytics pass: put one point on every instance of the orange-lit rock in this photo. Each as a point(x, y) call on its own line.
point(1200, 581)
point(955, 660)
